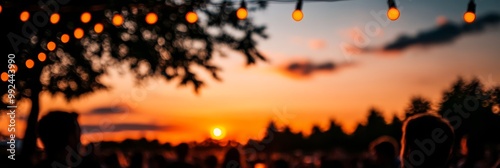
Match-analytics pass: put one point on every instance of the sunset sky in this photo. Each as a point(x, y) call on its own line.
point(378, 75)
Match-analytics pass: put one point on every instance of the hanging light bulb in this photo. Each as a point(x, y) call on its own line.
point(393, 12)
point(191, 16)
point(85, 17)
point(470, 15)
point(117, 19)
point(54, 18)
point(242, 12)
point(151, 18)
point(297, 14)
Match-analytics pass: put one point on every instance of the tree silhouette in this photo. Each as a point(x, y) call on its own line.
point(170, 48)
point(418, 105)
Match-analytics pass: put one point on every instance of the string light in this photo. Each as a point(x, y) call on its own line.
point(42, 56)
point(393, 12)
point(54, 18)
point(51, 46)
point(5, 76)
point(30, 63)
point(98, 28)
point(85, 17)
point(117, 20)
point(78, 33)
point(297, 14)
point(191, 17)
point(25, 15)
point(242, 12)
point(470, 15)
point(151, 18)
point(65, 38)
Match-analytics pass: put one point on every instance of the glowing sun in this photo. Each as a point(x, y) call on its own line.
point(217, 133)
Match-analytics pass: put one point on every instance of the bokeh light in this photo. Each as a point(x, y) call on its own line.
point(85, 17)
point(393, 13)
point(78, 33)
point(25, 15)
point(51, 46)
point(65, 38)
point(117, 20)
point(191, 17)
point(151, 18)
point(297, 15)
point(54, 18)
point(469, 17)
point(42, 56)
point(242, 13)
point(30, 63)
point(5, 76)
point(98, 28)
point(14, 68)
point(1, 8)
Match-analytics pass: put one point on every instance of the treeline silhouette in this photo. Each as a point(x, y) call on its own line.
point(470, 107)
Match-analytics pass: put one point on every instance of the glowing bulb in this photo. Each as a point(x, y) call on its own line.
point(51, 46)
point(393, 13)
point(191, 17)
point(42, 56)
point(297, 15)
point(117, 20)
point(78, 33)
point(64, 38)
point(25, 15)
point(5, 76)
point(1, 8)
point(151, 18)
point(469, 17)
point(242, 13)
point(98, 28)
point(54, 18)
point(85, 17)
point(30, 63)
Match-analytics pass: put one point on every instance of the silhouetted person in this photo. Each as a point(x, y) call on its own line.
point(385, 153)
point(136, 160)
point(330, 163)
point(60, 135)
point(181, 151)
point(280, 163)
point(157, 161)
point(112, 161)
point(232, 159)
point(210, 161)
point(427, 141)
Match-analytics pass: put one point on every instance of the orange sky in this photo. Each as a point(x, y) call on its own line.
point(249, 97)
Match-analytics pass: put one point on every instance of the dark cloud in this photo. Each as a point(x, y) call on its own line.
point(111, 127)
point(305, 68)
point(107, 110)
point(445, 33)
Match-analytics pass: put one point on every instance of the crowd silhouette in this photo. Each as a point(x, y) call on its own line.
point(425, 138)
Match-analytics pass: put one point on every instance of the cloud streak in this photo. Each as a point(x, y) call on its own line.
point(122, 127)
point(306, 68)
point(107, 110)
point(446, 33)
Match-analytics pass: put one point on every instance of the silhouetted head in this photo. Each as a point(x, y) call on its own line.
point(57, 130)
point(427, 141)
point(136, 160)
point(232, 158)
point(112, 161)
point(157, 161)
point(385, 149)
point(181, 151)
point(211, 161)
point(281, 164)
